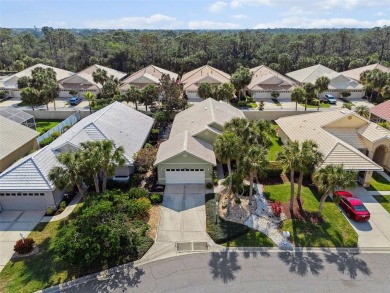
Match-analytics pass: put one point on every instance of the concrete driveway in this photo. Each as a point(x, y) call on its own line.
point(183, 214)
point(12, 223)
point(376, 231)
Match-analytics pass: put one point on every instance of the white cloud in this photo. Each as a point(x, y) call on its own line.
point(241, 3)
point(305, 22)
point(240, 16)
point(206, 24)
point(217, 6)
point(156, 21)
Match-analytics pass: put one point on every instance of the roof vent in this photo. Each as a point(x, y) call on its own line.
point(342, 111)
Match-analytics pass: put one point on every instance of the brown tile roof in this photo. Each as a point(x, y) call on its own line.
point(382, 110)
point(265, 78)
point(355, 73)
point(190, 80)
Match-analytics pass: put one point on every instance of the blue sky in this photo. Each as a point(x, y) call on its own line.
point(191, 14)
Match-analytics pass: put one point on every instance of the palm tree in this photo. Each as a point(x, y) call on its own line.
point(363, 111)
point(51, 91)
point(321, 85)
point(70, 173)
point(330, 178)
point(289, 157)
point(91, 154)
point(298, 96)
point(309, 159)
point(110, 157)
point(254, 162)
point(227, 148)
point(310, 95)
point(91, 100)
point(133, 94)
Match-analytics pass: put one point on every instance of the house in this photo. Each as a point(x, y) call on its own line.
point(146, 76)
point(338, 81)
point(265, 81)
point(10, 83)
point(187, 157)
point(25, 185)
point(355, 73)
point(192, 79)
point(16, 141)
point(343, 137)
point(381, 113)
point(83, 81)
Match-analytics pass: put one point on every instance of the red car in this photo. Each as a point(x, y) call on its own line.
point(354, 208)
point(342, 193)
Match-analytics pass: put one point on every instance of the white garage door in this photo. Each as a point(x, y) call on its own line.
point(22, 201)
point(184, 176)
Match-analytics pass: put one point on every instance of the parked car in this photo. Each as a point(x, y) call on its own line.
point(342, 193)
point(354, 208)
point(75, 101)
point(329, 99)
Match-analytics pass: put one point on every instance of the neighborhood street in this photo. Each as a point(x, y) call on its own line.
point(266, 271)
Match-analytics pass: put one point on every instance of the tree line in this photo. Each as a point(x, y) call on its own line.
point(182, 51)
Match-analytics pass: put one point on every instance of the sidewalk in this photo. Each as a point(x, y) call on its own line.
point(68, 210)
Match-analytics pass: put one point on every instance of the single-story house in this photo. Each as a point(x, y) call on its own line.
point(355, 73)
point(83, 81)
point(16, 141)
point(343, 137)
point(146, 76)
point(192, 79)
point(265, 81)
point(25, 185)
point(338, 81)
point(10, 83)
point(381, 113)
point(187, 157)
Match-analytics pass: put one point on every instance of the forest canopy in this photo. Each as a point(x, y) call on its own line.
point(283, 50)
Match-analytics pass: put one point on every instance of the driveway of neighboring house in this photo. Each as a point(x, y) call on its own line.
point(376, 231)
point(183, 214)
point(12, 223)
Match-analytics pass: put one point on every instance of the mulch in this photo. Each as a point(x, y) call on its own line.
point(299, 213)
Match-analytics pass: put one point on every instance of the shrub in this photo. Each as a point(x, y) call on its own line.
point(145, 158)
point(345, 94)
point(237, 200)
point(156, 198)
point(113, 184)
point(144, 229)
point(215, 181)
point(46, 141)
point(143, 206)
point(274, 169)
point(249, 99)
point(241, 103)
point(50, 211)
point(66, 127)
point(138, 192)
point(276, 208)
point(55, 134)
point(24, 246)
point(383, 124)
point(209, 185)
point(62, 205)
point(135, 180)
point(155, 131)
point(275, 94)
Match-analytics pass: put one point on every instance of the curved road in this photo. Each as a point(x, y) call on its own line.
point(325, 271)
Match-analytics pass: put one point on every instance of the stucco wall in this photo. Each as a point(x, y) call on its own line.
point(59, 114)
point(17, 154)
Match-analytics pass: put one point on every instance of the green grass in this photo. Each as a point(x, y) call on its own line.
point(46, 269)
point(275, 148)
point(335, 231)
point(253, 105)
point(276, 102)
point(251, 239)
point(315, 106)
point(378, 182)
point(384, 200)
point(44, 125)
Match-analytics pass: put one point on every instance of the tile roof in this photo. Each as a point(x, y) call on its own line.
point(264, 78)
point(147, 75)
point(118, 122)
point(355, 73)
point(13, 135)
point(382, 110)
point(338, 145)
point(188, 123)
point(10, 82)
point(310, 74)
point(191, 79)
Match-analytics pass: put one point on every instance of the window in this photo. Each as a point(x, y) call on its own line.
point(192, 169)
point(42, 194)
point(7, 194)
point(201, 169)
point(177, 170)
point(182, 169)
point(168, 170)
point(196, 169)
point(19, 194)
point(2, 194)
point(13, 194)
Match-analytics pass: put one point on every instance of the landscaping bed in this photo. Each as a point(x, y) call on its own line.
point(43, 126)
point(332, 230)
point(378, 182)
point(322, 105)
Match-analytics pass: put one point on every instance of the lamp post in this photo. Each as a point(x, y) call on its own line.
point(216, 211)
point(21, 235)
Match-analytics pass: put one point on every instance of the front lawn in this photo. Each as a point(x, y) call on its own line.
point(378, 182)
point(384, 200)
point(315, 106)
point(44, 125)
point(335, 231)
point(47, 268)
point(250, 239)
point(275, 148)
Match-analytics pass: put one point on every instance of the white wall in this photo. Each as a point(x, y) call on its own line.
point(284, 95)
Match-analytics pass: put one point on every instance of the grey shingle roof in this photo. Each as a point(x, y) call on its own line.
point(118, 122)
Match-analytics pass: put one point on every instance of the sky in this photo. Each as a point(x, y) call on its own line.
point(194, 14)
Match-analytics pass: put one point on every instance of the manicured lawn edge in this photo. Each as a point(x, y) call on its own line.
point(315, 106)
point(378, 182)
point(384, 200)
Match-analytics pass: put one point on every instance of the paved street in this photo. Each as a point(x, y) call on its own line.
point(268, 271)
